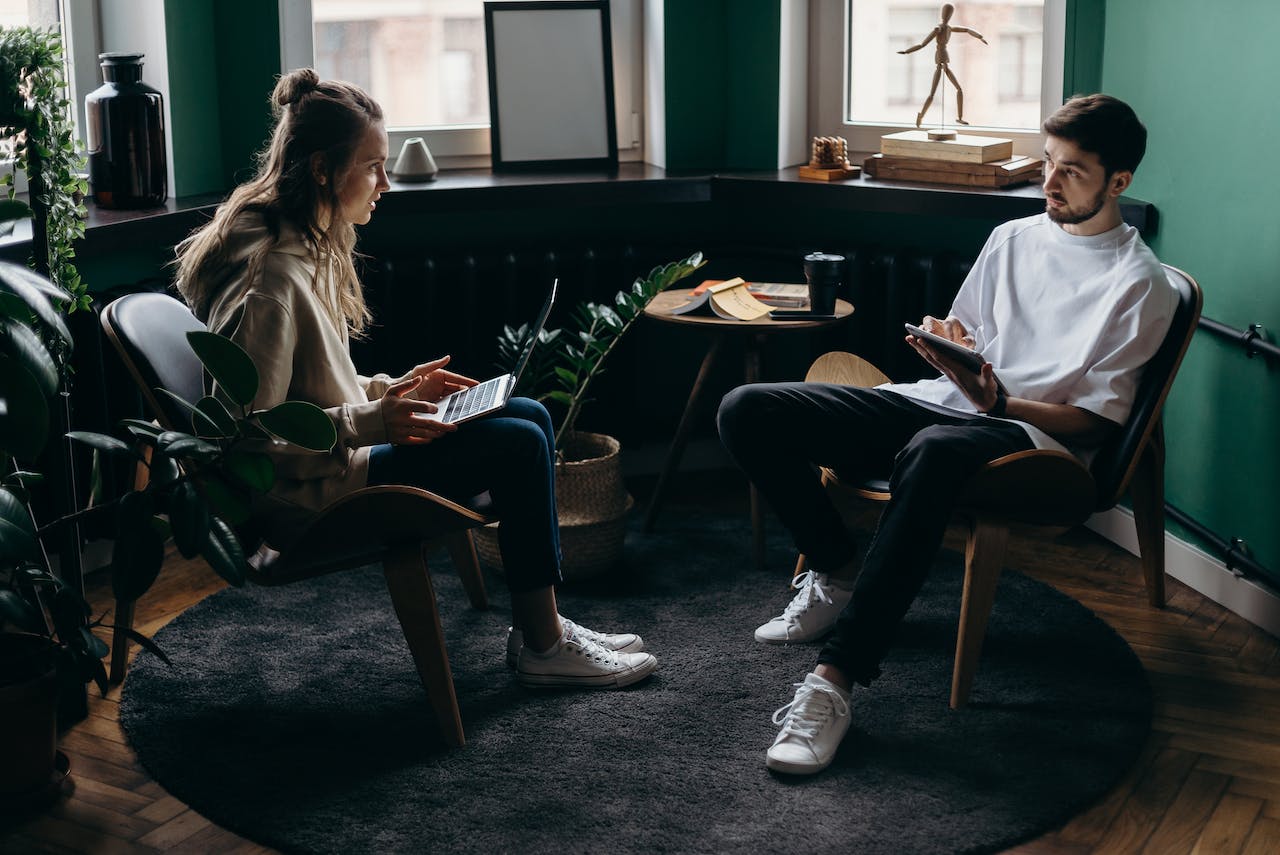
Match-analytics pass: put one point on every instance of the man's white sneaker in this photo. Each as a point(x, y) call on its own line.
point(618, 642)
point(810, 614)
point(812, 726)
point(576, 660)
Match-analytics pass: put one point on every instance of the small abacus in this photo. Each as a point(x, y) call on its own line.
point(829, 160)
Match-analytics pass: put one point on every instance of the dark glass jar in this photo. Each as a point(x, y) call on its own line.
point(128, 167)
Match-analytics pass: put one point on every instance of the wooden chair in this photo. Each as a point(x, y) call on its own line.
point(1044, 487)
point(391, 525)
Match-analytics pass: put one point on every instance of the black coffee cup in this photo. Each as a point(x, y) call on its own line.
point(824, 272)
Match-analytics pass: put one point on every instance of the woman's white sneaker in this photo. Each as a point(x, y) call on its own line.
point(576, 660)
point(618, 642)
point(810, 614)
point(813, 725)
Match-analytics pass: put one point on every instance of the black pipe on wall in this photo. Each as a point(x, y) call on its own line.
point(1236, 559)
point(1251, 339)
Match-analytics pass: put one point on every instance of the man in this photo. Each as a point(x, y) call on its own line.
point(1065, 308)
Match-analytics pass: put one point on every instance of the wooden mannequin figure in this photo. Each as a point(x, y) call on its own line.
point(942, 35)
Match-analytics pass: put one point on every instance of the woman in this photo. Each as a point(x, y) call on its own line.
point(273, 271)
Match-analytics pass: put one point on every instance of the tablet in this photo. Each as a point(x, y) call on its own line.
point(967, 357)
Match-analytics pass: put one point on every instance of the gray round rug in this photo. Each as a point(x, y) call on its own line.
point(293, 716)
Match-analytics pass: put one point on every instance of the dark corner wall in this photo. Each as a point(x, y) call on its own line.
point(1202, 79)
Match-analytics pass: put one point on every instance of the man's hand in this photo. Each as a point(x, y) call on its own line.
point(406, 419)
point(981, 388)
point(951, 329)
point(436, 382)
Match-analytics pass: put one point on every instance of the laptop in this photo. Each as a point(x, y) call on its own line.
point(484, 398)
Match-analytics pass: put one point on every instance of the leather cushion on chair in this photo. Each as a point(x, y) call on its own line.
point(170, 363)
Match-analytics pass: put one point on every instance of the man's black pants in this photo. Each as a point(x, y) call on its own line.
point(779, 432)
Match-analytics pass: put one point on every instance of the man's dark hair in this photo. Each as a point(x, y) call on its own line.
point(1106, 126)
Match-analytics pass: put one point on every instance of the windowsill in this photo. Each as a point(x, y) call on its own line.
point(632, 184)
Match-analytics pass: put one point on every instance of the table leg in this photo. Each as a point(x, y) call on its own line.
point(751, 373)
point(682, 433)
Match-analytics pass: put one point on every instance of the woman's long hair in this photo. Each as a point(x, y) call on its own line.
point(313, 117)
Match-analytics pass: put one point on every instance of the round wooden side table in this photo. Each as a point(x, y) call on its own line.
point(718, 330)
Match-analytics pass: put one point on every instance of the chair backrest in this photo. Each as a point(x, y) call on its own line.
point(149, 332)
point(1115, 461)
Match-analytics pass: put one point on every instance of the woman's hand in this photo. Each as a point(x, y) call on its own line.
point(951, 329)
point(436, 382)
point(408, 420)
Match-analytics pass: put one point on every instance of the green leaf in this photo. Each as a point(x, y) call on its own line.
point(141, 429)
point(15, 609)
point(302, 424)
point(224, 553)
point(177, 399)
point(22, 478)
point(254, 469)
point(24, 424)
point(218, 421)
point(103, 442)
point(94, 646)
point(22, 344)
point(179, 445)
point(164, 470)
point(228, 364)
point(38, 294)
point(189, 517)
point(14, 209)
point(229, 502)
point(139, 551)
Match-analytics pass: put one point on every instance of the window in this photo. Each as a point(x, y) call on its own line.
point(43, 14)
point(864, 88)
point(425, 63)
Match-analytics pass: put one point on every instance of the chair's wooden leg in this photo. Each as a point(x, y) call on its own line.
point(462, 549)
point(984, 558)
point(802, 564)
point(1146, 488)
point(414, 599)
point(120, 641)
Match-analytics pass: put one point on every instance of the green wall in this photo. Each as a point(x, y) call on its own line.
point(721, 84)
point(1204, 83)
point(223, 59)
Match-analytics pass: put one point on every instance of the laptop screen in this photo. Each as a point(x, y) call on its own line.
point(532, 341)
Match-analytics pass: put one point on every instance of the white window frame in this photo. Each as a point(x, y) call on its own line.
point(829, 79)
point(462, 146)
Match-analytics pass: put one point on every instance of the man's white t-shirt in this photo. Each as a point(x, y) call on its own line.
point(1062, 319)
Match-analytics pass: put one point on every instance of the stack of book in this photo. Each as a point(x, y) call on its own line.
point(967, 160)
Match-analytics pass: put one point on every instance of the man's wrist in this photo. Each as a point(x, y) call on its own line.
point(997, 410)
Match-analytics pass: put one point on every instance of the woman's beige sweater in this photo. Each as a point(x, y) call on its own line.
point(301, 355)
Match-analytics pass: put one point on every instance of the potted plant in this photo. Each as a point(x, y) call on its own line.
point(46, 640)
point(591, 500)
point(199, 487)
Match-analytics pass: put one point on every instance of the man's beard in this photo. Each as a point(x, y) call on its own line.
point(1067, 217)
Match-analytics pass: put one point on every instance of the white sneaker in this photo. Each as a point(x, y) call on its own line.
point(578, 661)
point(810, 614)
point(812, 726)
point(618, 642)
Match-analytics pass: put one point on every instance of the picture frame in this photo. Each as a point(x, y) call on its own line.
point(551, 102)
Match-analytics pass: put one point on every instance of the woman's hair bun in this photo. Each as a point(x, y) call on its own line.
point(293, 85)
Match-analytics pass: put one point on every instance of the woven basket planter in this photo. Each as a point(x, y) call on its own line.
point(591, 503)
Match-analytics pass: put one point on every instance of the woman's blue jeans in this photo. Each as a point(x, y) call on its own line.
point(511, 454)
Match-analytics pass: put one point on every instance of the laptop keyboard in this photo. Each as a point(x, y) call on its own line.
point(474, 400)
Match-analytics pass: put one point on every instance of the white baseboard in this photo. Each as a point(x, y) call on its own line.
point(1253, 601)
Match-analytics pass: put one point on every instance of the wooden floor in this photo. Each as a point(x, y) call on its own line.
point(1208, 779)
